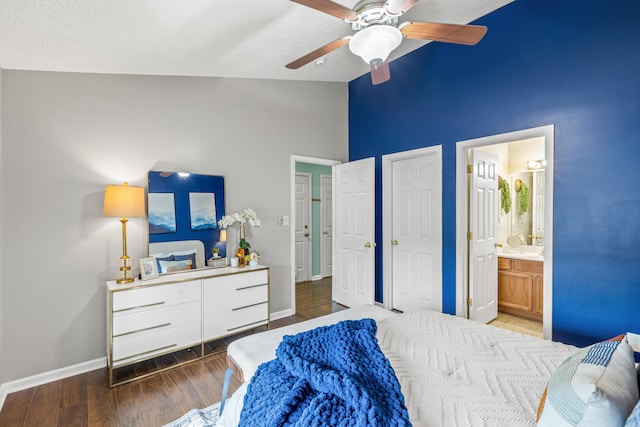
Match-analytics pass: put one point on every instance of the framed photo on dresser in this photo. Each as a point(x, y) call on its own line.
point(148, 268)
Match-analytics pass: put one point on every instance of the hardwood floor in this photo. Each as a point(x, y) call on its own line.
point(87, 400)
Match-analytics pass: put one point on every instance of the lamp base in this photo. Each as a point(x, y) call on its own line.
point(125, 275)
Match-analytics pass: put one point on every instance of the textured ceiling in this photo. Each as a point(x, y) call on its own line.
point(222, 38)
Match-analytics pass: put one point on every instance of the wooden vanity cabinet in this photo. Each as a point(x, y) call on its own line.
point(520, 285)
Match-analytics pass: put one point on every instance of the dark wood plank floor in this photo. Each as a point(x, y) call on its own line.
point(87, 400)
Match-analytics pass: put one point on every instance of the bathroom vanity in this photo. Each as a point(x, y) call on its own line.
point(520, 285)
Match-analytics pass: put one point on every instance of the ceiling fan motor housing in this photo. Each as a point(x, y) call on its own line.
point(372, 12)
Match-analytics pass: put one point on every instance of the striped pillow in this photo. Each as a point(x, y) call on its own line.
point(596, 386)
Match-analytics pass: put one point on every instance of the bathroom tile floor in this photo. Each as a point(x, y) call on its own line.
point(518, 324)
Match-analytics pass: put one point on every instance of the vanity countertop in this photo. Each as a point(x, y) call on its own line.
point(527, 256)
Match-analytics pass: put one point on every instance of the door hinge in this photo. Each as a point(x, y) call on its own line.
point(470, 235)
point(469, 302)
point(469, 168)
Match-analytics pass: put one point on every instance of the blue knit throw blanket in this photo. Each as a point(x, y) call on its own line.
point(329, 376)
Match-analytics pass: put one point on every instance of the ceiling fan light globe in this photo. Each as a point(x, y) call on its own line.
point(375, 42)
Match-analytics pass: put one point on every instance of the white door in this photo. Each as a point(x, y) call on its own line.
point(416, 235)
point(483, 228)
point(354, 254)
point(326, 224)
point(302, 226)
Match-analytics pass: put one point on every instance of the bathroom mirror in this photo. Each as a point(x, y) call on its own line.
point(525, 218)
point(521, 187)
point(184, 206)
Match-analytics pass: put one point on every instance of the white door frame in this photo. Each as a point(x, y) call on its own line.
point(462, 208)
point(292, 209)
point(307, 263)
point(325, 264)
point(387, 215)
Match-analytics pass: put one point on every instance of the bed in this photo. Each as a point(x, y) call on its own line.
point(456, 372)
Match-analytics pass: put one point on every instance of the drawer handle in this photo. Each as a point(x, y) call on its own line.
point(251, 287)
point(140, 306)
point(142, 330)
point(133, 356)
point(248, 306)
point(248, 324)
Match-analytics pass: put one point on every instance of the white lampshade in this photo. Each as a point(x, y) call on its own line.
point(375, 42)
point(124, 201)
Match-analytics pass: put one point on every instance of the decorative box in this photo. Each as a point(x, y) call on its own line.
point(217, 262)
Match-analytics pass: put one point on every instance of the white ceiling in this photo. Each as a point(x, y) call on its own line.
point(222, 38)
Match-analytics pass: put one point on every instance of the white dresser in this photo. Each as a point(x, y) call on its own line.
point(148, 319)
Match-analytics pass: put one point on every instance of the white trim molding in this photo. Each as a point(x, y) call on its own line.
point(50, 376)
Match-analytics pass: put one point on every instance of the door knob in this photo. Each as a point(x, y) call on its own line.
point(498, 245)
point(325, 232)
point(306, 231)
point(367, 245)
point(394, 242)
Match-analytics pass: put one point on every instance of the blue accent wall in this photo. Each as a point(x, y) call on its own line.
point(574, 64)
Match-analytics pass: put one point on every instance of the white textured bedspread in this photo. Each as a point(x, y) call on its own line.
point(455, 372)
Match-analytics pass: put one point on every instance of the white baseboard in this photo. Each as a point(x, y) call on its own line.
point(318, 277)
point(281, 314)
point(47, 377)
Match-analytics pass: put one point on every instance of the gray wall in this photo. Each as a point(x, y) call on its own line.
point(65, 136)
point(2, 181)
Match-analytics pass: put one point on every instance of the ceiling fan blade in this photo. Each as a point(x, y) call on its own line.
point(398, 7)
point(332, 8)
point(380, 72)
point(449, 33)
point(320, 52)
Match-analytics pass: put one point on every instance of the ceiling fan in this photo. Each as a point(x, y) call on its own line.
point(378, 33)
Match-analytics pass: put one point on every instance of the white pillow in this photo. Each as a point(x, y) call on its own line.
point(189, 252)
point(596, 386)
point(160, 255)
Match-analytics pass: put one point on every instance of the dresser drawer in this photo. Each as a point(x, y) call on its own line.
point(129, 348)
point(154, 296)
point(224, 299)
point(237, 281)
point(127, 322)
point(221, 324)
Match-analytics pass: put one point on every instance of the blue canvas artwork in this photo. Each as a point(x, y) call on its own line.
point(202, 207)
point(162, 213)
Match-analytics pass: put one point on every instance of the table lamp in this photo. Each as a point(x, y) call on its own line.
point(124, 201)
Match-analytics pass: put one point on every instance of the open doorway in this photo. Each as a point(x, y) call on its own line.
point(536, 239)
point(311, 222)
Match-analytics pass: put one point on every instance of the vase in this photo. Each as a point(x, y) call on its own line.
point(242, 257)
point(243, 247)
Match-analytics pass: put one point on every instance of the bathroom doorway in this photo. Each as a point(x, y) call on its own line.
point(536, 240)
